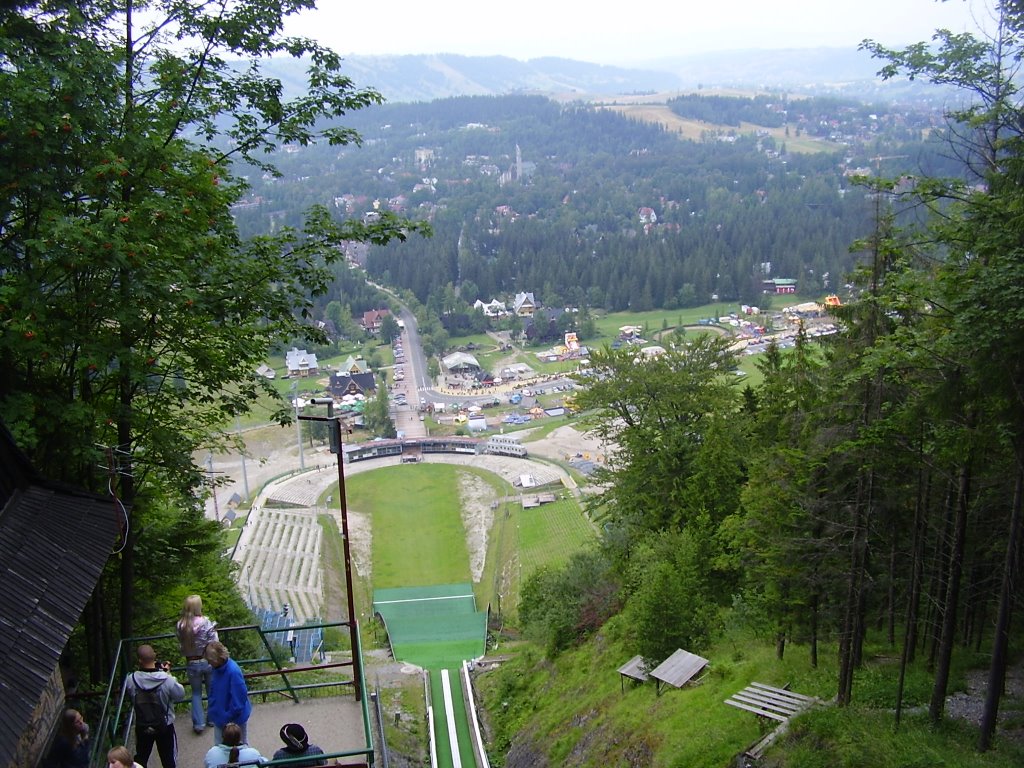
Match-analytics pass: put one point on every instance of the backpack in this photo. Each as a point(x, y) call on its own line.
point(150, 710)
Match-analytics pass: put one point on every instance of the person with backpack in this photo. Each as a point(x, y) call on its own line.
point(153, 692)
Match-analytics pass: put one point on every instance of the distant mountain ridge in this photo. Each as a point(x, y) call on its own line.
point(437, 76)
point(424, 77)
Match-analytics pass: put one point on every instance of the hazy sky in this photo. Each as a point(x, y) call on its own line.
point(618, 32)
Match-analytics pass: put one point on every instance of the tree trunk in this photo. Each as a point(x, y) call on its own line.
point(913, 600)
point(917, 570)
point(1000, 644)
point(849, 640)
point(956, 562)
point(124, 468)
point(891, 594)
point(814, 630)
point(975, 599)
point(937, 587)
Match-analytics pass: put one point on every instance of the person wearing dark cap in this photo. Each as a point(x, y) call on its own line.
point(296, 744)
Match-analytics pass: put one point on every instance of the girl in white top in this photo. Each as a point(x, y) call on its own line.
point(232, 750)
point(195, 632)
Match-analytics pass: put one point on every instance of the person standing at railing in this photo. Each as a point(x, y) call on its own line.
point(153, 691)
point(229, 697)
point(195, 631)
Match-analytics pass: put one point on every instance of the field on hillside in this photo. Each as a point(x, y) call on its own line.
point(551, 533)
point(576, 704)
point(421, 534)
point(686, 128)
point(527, 539)
point(417, 534)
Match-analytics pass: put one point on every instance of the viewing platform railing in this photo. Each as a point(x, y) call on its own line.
point(273, 660)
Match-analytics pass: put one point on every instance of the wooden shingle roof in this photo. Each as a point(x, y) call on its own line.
point(54, 542)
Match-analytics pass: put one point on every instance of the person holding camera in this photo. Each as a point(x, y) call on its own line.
point(153, 692)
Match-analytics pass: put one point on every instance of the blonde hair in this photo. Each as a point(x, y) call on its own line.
point(192, 608)
point(216, 652)
point(121, 755)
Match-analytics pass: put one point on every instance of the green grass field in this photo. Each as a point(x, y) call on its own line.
point(524, 540)
point(551, 533)
point(418, 537)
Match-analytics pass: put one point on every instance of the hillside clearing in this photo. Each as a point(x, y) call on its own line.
point(660, 114)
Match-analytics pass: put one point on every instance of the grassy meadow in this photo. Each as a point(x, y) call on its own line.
point(694, 130)
point(628, 723)
point(418, 537)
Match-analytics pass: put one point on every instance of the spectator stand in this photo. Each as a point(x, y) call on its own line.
point(304, 643)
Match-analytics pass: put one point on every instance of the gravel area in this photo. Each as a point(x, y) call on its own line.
point(970, 704)
point(567, 441)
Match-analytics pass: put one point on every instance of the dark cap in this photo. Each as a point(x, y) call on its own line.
point(294, 737)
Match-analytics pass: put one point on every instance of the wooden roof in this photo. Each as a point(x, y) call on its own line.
point(679, 668)
point(635, 669)
point(774, 703)
point(54, 542)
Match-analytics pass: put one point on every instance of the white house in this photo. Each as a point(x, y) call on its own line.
point(492, 308)
point(524, 305)
point(301, 363)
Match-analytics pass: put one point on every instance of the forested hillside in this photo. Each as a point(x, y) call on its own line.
point(604, 211)
point(862, 506)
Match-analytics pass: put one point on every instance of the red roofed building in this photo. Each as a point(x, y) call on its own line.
point(372, 319)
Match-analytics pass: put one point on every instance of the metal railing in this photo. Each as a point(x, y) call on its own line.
point(116, 718)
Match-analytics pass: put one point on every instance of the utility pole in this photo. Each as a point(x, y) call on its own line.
point(245, 475)
point(298, 423)
point(334, 427)
point(213, 487)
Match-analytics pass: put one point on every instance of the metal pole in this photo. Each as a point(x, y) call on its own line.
point(353, 625)
point(213, 487)
point(357, 662)
point(298, 423)
point(245, 475)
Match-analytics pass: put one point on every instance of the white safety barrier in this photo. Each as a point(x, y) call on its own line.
point(467, 687)
point(453, 737)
